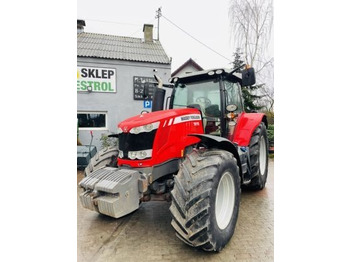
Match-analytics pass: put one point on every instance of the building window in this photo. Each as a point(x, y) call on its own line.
point(92, 120)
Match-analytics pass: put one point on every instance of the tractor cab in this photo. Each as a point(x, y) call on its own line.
point(215, 93)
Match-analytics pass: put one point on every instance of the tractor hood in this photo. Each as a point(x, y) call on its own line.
point(153, 117)
point(152, 139)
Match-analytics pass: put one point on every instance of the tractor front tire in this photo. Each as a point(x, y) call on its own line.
point(205, 199)
point(259, 152)
point(105, 157)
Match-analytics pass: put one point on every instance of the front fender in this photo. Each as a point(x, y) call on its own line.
point(246, 124)
point(220, 143)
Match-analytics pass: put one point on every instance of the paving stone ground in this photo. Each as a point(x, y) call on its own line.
point(146, 234)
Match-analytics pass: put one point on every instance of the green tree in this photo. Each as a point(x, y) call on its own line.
point(249, 99)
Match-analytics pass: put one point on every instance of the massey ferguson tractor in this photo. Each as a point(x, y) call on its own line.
point(198, 154)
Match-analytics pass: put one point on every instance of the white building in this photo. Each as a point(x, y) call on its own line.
point(111, 75)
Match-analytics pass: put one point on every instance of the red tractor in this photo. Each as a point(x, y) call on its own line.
point(197, 154)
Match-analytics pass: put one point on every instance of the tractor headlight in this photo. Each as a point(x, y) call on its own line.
point(135, 130)
point(121, 154)
point(145, 128)
point(119, 130)
point(132, 154)
point(148, 127)
point(140, 154)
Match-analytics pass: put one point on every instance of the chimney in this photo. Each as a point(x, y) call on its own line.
point(148, 32)
point(80, 26)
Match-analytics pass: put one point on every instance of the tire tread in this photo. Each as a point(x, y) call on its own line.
point(191, 197)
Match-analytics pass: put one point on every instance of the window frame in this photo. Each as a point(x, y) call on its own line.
point(94, 112)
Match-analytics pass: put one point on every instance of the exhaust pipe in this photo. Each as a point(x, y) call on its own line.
point(158, 96)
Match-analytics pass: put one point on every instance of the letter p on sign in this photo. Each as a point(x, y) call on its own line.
point(147, 104)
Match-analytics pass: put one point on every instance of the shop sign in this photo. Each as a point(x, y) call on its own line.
point(95, 79)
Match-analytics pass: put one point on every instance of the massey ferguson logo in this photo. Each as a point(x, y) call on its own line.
point(186, 118)
point(190, 117)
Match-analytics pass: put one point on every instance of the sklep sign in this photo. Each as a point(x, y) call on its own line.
point(96, 79)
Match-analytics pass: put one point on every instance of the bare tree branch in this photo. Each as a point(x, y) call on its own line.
point(251, 23)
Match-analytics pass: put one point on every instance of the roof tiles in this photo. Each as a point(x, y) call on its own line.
point(120, 47)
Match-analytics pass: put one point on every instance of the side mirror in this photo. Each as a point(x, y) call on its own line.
point(248, 77)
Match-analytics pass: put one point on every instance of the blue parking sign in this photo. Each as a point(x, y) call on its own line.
point(147, 104)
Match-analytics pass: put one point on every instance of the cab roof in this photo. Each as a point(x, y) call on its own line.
point(228, 74)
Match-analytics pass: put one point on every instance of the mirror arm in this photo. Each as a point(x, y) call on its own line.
point(237, 68)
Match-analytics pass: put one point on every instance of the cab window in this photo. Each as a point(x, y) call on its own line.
point(234, 95)
point(205, 96)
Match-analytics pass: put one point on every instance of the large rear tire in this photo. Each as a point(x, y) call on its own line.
point(205, 199)
point(105, 157)
point(259, 152)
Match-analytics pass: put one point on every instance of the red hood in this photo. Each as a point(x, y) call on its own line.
point(152, 117)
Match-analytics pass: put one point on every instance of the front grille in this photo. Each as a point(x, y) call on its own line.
point(136, 142)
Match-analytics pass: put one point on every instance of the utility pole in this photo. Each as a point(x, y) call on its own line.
point(158, 15)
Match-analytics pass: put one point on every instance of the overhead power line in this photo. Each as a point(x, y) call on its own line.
point(112, 22)
point(196, 39)
point(139, 30)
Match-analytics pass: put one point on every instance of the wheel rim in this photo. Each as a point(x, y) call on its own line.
point(262, 155)
point(225, 199)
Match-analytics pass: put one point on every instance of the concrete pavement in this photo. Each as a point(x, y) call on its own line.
point(146, 234)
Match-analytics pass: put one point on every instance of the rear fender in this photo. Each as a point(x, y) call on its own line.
point(220, 143)
point(246, 124)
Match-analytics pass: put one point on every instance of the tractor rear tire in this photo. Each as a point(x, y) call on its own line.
point(259, 152)
point(105, 157)
point(205, 199)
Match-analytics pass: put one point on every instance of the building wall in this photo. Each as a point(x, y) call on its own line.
point(119, 105)
point(187, 69)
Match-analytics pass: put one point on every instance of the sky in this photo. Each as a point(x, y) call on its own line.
point(207, 21)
